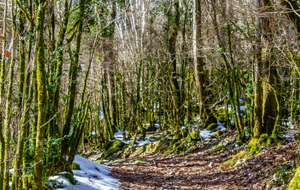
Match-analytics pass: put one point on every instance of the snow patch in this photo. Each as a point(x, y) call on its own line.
point(91, 176)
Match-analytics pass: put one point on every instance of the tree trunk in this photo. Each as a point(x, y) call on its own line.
point(37, 183)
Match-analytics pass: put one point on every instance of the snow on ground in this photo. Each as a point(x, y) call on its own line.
point(205, 134)
point(91, 176)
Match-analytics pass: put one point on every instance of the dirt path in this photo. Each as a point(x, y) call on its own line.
point(195, 170)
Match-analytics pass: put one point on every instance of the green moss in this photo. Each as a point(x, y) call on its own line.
point(75, 166)
point(194, 135)
point(295, 182)
point(170, 147)
point(221, 118)
point(149, 147)
point(217, 147)
point(212, 126)
point(142, 149)
point(235, 158)
point(127, 151)
point(219, 133)
point(158, 145)
point(191, 136)
point(279, 144)
point(212, 136)
point(115, 147)
point(69, 177)
point(177, 149)
point(139, 162)
point(253, 146)
point(263, 139)
point(154, 136)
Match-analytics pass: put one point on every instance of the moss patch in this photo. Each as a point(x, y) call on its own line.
point(212, 126)
point(158, 145)
point(170, 147)
point(253, 146)
point(75, 166)
point(235, 158)
point(295, 183)
point(142, 149)
point(114, 148)
point(149, 147)
point(219, 133)
point(221, 119)
point(69, 177)
point(263, 139)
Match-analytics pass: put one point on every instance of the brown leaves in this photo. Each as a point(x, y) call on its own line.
point(190, 171)
point(7, 53)
point(272, 26)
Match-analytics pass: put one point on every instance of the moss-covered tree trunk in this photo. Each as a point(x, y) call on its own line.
point(37, 183)
point(177, 107)
point(23, 101)
point(2, 78)
point(258, 79)
point(205, 113)
point(72, 85)
point(269, 75)
point(7, 124)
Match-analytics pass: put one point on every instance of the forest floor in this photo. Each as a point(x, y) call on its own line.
point(200, 168)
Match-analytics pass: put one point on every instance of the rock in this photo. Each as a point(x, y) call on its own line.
point(211, 164)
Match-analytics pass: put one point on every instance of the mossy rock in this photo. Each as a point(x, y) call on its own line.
point(191, 136)
point(142, 149)
point(221, 119)
point(75, 166)
point(212, 126)
point(219, 133)
point(69, 177)
point(158, 145)
point(235, 158)
point(170, 147)
point(114, 148)
point(149, 147)
point(127, 151)
point(295, 182)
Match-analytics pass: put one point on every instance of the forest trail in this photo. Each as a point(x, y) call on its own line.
point(199, 169)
